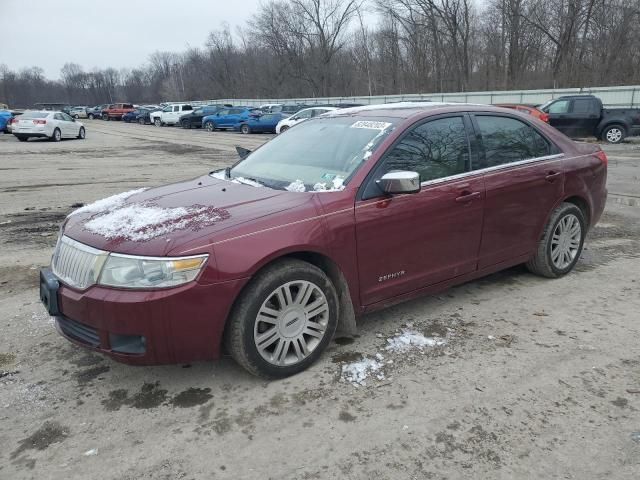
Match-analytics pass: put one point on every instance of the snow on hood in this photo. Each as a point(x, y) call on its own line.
point(143, 222)
point(108, 203)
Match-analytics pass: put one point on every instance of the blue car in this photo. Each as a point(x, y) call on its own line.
point(259, 123)
point(5, 116)
point(228, 117)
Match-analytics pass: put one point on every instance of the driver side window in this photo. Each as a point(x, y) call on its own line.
point(434, 149)
point(561, 106)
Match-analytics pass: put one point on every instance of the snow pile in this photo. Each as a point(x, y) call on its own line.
point(357, 372)
point(410, 339)
point(220, 175)
point(108, 203)
point(337, 185)
point(297, 186)
point(140, 222)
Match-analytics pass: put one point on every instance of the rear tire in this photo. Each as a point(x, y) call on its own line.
point(614, 134)
point(57, 135)
point(141, 121)
point(22, 139)
point(106, 117)
point(246, 129)
point(561, 244)
point(304, 308)
point(91, 116)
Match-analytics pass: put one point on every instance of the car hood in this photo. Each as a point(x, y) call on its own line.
point(156, 221)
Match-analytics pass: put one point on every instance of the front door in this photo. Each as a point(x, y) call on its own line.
point(405, 242)
point(559, 116)
point(524, 179)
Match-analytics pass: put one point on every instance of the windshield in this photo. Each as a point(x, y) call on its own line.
point(320, 154)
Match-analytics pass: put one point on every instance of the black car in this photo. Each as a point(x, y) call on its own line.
point(194, 119)
point(580, 116)
point(144, 115)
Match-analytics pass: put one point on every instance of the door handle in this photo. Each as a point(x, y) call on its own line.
point(467, 197)
point(551, 176)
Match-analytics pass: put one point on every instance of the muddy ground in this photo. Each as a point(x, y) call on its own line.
point(538, 378)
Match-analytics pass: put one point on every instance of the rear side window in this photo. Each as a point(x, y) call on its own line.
point(435, 149)
point(581, 106)
point(507, 140)
point(187, 108)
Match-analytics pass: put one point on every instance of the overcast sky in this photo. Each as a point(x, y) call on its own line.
point(108, 33)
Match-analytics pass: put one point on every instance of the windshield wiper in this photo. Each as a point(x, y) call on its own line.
point(248, 181)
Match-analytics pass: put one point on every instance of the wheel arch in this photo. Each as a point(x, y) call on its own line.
point(346, 312)
point(582, 204)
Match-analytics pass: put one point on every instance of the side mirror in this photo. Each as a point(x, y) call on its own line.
point(399, 182)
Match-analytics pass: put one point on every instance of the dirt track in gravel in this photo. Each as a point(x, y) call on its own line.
point(538, 378)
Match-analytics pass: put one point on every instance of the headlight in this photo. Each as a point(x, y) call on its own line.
point(128, 271)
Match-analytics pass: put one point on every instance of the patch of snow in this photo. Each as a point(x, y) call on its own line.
point(107, 204)
point(410, 339)
point(336, 186)
point(357, 372)
point(246, 181)
point(297, 186)
point(91, 453)
point(139, 222)
point(220, 175)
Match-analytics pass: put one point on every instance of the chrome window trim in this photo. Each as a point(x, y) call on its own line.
point(491, 169)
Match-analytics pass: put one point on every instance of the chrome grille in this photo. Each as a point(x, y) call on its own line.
point(76, 264)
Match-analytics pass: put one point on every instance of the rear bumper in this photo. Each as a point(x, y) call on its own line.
point(176, 325)
point(30, 134)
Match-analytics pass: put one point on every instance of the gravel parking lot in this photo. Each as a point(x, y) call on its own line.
point(532, 378)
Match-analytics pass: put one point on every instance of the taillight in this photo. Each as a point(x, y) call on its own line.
point(40, 122)
point(544, 117)
point(603, 157)
point(13, 120)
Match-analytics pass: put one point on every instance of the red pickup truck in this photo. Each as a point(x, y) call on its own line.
point(115, 111)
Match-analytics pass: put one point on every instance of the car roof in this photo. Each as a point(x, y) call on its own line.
point(404, 110)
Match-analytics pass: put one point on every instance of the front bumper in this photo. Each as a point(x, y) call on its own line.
point(176, 325)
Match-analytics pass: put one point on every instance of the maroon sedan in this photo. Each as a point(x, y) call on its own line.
point(344, 214)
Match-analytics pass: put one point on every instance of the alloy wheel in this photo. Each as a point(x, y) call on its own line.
point(565, 241)
point(614, 135)
point(291, 323)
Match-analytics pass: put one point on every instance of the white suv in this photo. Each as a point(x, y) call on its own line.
point(170, 115)
point(301, 116)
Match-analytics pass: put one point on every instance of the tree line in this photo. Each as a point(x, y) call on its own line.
point(318, 48)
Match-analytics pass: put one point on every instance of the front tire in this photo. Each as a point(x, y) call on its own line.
point(141, 121)
point(106, 117)
point(57, 135)
point(561, 244)
point(614, 134)
point(82, 134)
point(283, 320)
point(157, 122)
point(284, 128)
point(21, 138)
point(210, 126)
point(91, 116)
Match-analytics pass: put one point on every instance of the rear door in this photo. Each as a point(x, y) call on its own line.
point(405, 242)
point(584, 114)
point(524, 179)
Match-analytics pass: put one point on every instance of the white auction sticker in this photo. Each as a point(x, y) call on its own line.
point(370, 124)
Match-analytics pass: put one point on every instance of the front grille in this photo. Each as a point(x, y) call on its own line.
point(79, 331)
point(76, 264)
